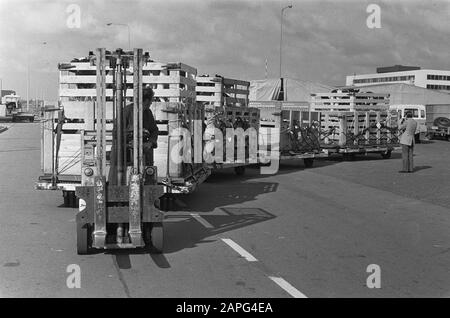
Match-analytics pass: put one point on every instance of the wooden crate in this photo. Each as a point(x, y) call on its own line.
point(359, 129)
point(298, 133)
point(173, 82)
point(214, 91)
point(170, 116)
point(233, 117)
point(350, 101)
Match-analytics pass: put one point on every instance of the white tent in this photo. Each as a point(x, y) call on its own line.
point(294, 90)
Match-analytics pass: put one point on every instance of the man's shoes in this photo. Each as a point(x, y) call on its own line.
point(403, 171)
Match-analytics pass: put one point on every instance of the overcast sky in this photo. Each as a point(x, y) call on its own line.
point(322, 40)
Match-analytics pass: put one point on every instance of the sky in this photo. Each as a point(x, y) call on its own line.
point(323, 41)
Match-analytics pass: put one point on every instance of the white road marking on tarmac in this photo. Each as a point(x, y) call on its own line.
point(288, 287)
point(202, 221)
point(249, 257)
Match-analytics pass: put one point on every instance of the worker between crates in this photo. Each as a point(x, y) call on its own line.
point(150, 132)
point(408, 129)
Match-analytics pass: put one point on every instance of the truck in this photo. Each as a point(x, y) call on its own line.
point(439, 129)
point(11, 109)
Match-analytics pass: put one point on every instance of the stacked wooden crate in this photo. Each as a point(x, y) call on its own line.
point(172, 83)
point(213, 91)
point(349, 101)
point(355, 119)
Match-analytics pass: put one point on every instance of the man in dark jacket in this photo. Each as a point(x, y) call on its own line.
point(150, 133)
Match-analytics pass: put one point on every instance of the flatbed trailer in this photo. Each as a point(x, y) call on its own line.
point(353, 122)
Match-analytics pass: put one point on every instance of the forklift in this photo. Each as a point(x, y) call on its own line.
point(119, 208)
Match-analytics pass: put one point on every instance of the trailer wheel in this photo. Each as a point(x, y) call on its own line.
point(349, 156)
point(239, 170)
point(387, 154)
point(83, 238)
point(309, 162)
point(157, 236)
point(70, 199)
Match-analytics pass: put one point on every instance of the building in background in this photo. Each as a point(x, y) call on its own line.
point(437, 103)
point(217, 90)
point(413, 75)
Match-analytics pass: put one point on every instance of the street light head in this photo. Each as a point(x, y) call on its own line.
point(290, 6)
point(108, 24)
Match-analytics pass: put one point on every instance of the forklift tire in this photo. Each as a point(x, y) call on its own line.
point(240, 171)
point(83, 239)
point(309, 162)
point(157, 236)
point(387, 154)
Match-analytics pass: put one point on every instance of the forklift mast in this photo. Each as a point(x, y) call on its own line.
point(119, 209)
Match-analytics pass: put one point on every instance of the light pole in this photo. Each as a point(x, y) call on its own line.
point(123, 24)
point(281, 34)
point(28, 75)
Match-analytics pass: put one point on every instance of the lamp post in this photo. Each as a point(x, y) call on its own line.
point(28, 75)
point(128, 27)
point(281, 34)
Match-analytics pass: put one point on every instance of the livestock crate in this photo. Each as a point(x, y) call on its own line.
point(349, 101)
point(360, 131)
point(245, 150)
point(172, 83)
point(298, 132)
point(189, 118)
point(214, 91)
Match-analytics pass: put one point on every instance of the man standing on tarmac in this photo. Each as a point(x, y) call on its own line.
point(408, 127)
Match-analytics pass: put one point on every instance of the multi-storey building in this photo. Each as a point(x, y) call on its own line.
point(426, 78)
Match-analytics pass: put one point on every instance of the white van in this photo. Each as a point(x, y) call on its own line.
point(419, 114)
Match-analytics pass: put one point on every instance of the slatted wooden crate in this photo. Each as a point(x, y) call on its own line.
point(170, 116)
point(214, 91)
point(349, 101)
point(359, 128)
point(174, 82)
point(294, 121)
point(232, 117)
